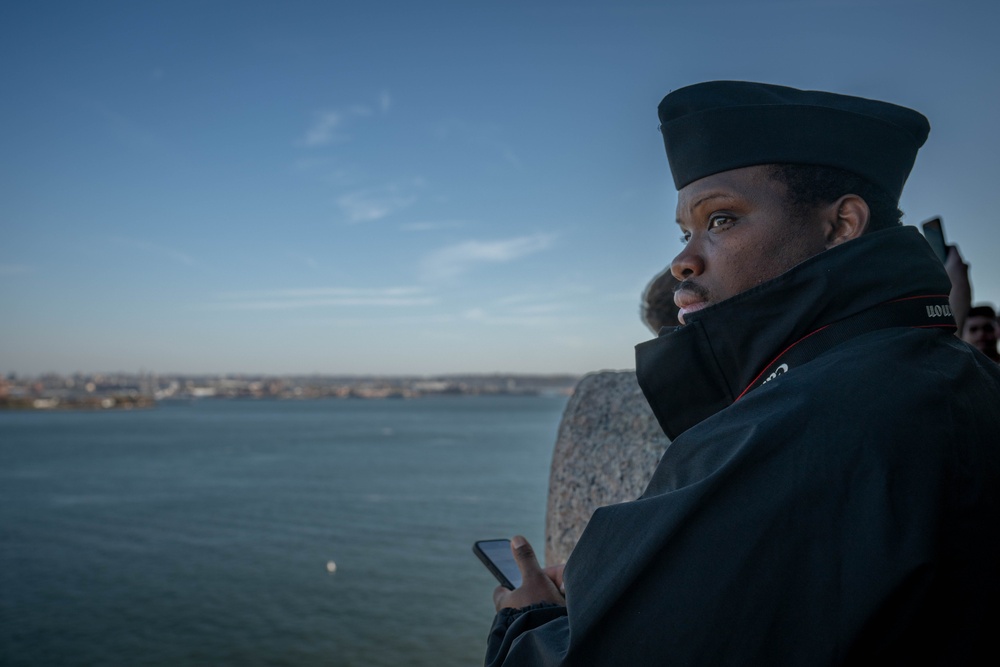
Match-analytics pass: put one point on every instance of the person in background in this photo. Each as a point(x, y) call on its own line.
point(658, 307)
point(980, 330)
point(960, 297)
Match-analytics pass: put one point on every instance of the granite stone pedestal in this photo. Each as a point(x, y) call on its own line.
point(608, 446)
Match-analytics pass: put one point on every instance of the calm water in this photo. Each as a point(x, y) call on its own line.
point(200, 533)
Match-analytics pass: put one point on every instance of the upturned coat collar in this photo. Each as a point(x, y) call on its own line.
point(693, 371)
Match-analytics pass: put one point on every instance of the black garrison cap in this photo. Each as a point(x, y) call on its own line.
point(721, 125)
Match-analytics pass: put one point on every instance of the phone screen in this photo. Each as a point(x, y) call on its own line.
point(498, 559)
point(934, 233)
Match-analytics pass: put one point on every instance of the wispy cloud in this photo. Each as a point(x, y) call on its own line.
point(163, 251)
point(531, 320)
point(533, 309)
point(322, 130)
point(372, 204)
point(329, 126)
point(456, 259)
point(564, 294)
point(318, 297)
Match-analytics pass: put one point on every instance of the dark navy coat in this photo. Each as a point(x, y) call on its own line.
point(845, 512)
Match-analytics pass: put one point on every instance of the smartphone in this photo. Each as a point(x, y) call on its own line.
point(499, 560)
point(934, 233)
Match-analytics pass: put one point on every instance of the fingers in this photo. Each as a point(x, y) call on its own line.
point(499, 594)
point(537, 585)
point(954, 260)
point(524, 556)
point(527, 562)
point(555, 573)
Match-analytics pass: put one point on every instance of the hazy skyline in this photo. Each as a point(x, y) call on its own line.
point(409, 188)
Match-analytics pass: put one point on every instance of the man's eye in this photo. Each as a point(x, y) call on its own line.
point(718, 221)
point(685, 237)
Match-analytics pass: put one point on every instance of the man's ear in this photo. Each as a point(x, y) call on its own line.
point(848, 219)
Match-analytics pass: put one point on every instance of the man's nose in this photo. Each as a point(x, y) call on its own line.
point(688, 264)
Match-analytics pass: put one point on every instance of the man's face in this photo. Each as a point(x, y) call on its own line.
point(739, 234)
point(981, 332)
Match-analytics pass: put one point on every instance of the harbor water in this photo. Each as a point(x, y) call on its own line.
point(225, 532)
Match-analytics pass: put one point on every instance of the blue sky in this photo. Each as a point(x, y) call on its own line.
point(400, 187)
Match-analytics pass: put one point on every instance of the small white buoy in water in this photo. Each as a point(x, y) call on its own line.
point(331, 567)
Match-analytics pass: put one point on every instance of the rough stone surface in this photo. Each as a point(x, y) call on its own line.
point(608, 446)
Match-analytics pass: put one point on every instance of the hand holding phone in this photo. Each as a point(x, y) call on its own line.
point(498, 559)
point(523, 582)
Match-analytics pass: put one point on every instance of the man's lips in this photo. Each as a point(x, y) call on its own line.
point(689, 297)
point(687, 310)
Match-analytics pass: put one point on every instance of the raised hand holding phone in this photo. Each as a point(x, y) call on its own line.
point(537, 584)
point(960, 297)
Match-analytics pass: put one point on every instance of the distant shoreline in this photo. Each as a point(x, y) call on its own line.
point(140, 391)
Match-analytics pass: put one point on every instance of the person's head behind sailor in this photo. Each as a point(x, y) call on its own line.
point(980, 330)
point(769, 176)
